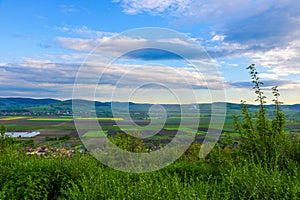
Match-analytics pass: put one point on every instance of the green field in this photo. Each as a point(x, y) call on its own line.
point(26, 125)
point(95, 134)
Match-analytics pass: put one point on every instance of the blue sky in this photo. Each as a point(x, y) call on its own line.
point(44, 44)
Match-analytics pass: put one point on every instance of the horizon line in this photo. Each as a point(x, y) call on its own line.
point(58, 99)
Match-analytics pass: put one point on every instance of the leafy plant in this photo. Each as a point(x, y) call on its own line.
point(3, 130)
point(263, 138)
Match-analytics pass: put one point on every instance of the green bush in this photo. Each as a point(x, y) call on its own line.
point(264, 139)
point(83, 177)
point(256, 181)
point(34, 177)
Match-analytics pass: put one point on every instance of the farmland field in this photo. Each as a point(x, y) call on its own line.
point(50, 119)
point(60, 126)
point(11, 118)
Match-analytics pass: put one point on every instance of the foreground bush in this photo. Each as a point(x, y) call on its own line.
point(264, 139)
point(83, 177)
point(34, 177)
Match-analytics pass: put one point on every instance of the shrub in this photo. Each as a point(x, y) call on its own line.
point(263, 138)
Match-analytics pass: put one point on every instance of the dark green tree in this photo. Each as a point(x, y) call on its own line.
point(3, 130)
point(2, 137)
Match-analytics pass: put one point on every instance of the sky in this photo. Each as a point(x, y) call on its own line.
point(196, 50)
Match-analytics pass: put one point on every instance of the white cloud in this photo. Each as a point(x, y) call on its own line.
point(268, 76)
point(120, 45)
point(85, 32)
point(150, 81)
point(267, 24)
point(68, 8)
point(78, 44)
point(280, 62)
point(152, 6)
point(72, 57)
point(293, 86)
point(44, 78)
point(218, 38)
point(197, 9)
point(125, 75)
point(278, 52)
point(233, 65)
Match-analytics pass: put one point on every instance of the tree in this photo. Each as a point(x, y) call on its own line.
point(2, 138)
point(3, 130)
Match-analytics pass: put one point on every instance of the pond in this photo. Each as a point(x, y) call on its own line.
point(22, 134)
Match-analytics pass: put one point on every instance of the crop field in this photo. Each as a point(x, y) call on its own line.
point(50, 119)
point(95, 134)
point(60, 126)
point(11, 118)
point(100, 118)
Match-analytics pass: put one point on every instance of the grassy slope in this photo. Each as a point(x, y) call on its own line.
point(83, 177)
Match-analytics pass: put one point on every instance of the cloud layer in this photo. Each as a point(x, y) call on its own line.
point(265, 32)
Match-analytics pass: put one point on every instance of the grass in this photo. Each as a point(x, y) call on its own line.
point(201, 133)
point(83, 177)
point(234, 135)
point(220, 176)
point(160, 137)
point(95, 134)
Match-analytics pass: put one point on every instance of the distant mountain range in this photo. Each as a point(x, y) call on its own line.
point(54, 106)
point(19, 103)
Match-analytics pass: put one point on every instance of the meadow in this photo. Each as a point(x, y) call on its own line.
point(224, 174)
point(61, 126)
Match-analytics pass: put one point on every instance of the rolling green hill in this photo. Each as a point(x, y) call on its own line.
point(54, 106)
